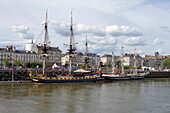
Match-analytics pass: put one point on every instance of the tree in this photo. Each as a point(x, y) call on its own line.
point(127, 67)
point(6, 63)
point(166, 62)
point(83, 66)
point(27, 64)
point(17, 63)
point(48, 64)
point(139, 67)
point(110, 64)
point(33, 64)
point(101, 64)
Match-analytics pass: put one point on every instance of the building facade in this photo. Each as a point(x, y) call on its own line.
point(54, 54)
point(107, 60)
point(129, 59)
point(29, 56)
point(78, 59)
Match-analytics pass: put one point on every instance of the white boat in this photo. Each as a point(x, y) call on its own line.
point(123, 76)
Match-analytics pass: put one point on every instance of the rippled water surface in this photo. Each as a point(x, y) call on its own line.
point(143, 96)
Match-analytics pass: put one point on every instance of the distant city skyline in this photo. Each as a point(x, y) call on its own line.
point(140, 24)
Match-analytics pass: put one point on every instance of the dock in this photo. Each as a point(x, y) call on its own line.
point(158, 74)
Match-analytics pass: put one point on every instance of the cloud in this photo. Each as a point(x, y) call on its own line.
point(165, 28)
point(122, 30)
point(140, 52)
point(161, 51)
point(22, 31)
point(100, 44)
point(135, 41)
point(158, 41)
point(94, 29)
point(79, 29)
point(113, 30)
point(60, 29)
point(18, 44)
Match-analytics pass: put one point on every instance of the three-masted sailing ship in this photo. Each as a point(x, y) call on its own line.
point(123, 75)
point(84, 76)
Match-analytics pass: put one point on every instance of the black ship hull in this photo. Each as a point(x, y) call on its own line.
point(125, 78)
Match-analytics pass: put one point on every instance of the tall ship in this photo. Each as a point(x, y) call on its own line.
point(123, 76)
point(79, 75)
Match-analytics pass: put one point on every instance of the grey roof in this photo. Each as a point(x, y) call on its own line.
point(107, 55)
point(17, 51)
point(50, 48)
point(24, 52)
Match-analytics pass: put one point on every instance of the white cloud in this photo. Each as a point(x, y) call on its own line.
point(101, 44)
point(140, 52)
point(79, 29)
point(135, 41)
point(165, 28)
point(23, 31)
point(95, 30)
point(116, 30)
point(160, 51)
point(60, 28)
point(18, 44)
point(158, 41)
point(113, 30)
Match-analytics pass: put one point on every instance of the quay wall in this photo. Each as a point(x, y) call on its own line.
point(6, 75)
point(158, 74)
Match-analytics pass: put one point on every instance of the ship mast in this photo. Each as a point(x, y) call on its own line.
point(86, 62)
point(45, 44)
point(122, 61)
point(71, 45)
point(135, 63)
point(113, 63)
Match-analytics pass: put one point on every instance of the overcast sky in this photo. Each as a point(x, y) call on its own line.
point(144, 24)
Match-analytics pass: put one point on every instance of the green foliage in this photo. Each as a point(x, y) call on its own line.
point(166, 62)
point(35, 64)
point(49, 64)
point(17, 63)
point(27, 64)
point(103, 67)
point(83, 66)
point(139, 67)
point(6, 63)
point(101, 64)
point(32, 64)
point(119, 64)
point(110, 64)
point(39, 64)
point(128, 67)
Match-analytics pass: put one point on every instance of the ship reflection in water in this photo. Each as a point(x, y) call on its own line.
point(150, 95)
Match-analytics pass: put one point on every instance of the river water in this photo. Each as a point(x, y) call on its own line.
point(143, 96)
